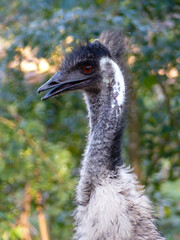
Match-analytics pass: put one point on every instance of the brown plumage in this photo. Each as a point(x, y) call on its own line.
point(110, 203)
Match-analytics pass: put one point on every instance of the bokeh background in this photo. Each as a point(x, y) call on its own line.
point(41, 143)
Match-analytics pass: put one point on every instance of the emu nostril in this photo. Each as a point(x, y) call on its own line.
point(53, 83)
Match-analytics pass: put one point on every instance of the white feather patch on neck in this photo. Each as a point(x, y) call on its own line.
point(118, 80)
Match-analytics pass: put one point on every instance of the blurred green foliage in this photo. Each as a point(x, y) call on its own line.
point(41, 143)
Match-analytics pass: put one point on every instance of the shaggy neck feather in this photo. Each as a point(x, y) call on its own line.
point(111, 206)
point(105, 113)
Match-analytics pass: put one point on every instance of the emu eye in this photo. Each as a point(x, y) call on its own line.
point(87, 69)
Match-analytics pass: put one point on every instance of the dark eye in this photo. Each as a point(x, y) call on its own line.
point(87, 69)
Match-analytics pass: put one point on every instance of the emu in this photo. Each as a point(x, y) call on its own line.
point(111, 204)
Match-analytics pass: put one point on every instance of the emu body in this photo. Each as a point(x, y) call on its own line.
point(110, 203)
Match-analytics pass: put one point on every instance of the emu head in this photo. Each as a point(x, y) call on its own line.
point(89, 67)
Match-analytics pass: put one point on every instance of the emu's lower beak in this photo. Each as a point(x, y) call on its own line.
point(58, 85)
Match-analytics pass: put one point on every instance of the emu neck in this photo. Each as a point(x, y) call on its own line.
point(103, 153)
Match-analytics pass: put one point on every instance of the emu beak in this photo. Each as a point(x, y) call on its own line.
point(58, 85)
point(53, 82)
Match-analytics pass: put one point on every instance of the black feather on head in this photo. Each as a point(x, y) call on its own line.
point(84, 53)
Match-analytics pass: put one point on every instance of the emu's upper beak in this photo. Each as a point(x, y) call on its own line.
point(58, 85)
